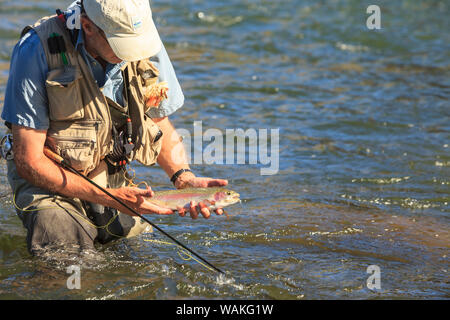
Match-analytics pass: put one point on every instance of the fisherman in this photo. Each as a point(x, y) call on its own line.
point(99, 96)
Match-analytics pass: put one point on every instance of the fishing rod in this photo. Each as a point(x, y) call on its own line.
point(58, 159)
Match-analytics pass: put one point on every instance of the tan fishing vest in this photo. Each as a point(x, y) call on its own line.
point(80, 115)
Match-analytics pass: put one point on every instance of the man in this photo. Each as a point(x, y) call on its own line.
point(81, 93)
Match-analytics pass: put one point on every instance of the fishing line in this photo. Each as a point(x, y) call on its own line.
point(106, 226)
point(71, 211)
point(130, 178)
point(58, 159)
point(180, 249)
point(180, 252)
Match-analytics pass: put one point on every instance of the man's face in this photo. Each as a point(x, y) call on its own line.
point(96, 43)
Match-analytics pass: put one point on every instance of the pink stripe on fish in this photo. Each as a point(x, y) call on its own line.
point(181, 196)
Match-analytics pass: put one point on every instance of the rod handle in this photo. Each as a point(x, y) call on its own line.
point(53, 156)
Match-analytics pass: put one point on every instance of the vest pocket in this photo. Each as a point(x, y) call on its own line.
point(76, 143)
point(148, 152)
point(156, 140)
point(78, 152)
point(64, 94)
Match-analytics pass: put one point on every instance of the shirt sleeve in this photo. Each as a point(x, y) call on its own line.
point(26, 102)
point(175, 98)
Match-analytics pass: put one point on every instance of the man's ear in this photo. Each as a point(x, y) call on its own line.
point(88, 26)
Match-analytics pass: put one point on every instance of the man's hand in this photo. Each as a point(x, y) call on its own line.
point(171, 141)
point(135, 199)
point(189, 180)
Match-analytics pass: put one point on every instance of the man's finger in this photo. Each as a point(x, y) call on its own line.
point(193, 209)
point(139, 202)
point(204, 210)
point(217, 183)
point(219, 211)
point(181, 211)
point(144, 192)
point(152, 208)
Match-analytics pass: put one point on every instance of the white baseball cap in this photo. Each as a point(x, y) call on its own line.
point(128, 26)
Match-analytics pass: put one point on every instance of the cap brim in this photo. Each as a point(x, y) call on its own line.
point(136, 47)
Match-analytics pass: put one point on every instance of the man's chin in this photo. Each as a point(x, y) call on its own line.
point(114, 61)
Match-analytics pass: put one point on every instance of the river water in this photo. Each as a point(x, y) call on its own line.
point(364, 156)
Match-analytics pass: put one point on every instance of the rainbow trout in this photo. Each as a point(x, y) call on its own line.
point(213, 198)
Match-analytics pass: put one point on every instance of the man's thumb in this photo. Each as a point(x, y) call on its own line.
point(144, 192)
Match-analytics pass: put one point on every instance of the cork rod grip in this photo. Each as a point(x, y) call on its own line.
point(53, 156)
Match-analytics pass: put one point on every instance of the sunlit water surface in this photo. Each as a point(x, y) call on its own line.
point(364, 157)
